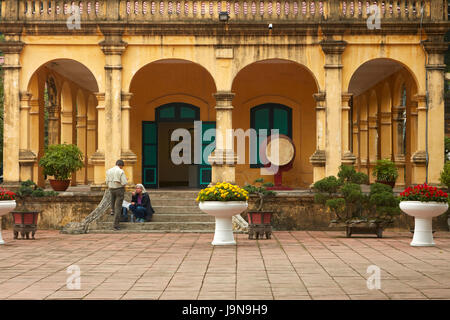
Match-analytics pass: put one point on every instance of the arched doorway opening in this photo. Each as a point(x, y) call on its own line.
point(169, 95)
point(62, 102)
point(384, 116)
point(276, 94)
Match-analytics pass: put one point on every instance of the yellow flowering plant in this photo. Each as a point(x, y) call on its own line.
point(222, 192)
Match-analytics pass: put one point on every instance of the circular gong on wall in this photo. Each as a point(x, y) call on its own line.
point(286, 150)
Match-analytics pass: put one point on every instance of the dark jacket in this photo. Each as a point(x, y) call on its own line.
point(146, 203)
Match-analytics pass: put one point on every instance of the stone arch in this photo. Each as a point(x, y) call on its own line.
point(172, 81)
point(285, 82)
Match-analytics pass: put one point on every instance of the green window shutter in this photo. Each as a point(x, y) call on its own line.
point(149, 154)
point(205, 170)
point(269, 116)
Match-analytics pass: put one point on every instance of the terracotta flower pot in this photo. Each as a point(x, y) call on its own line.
point(24, 223)
point(59, 185)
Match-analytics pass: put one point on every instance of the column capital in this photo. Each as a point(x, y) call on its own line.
point(421, 99)
point(11, 47)
point(419, 157)
point(346, 96)
point(100, 96)
point(126, 96)
point(25, 96)
point(224, 99)
point(318, 158)
point(333, 46)
point(320, 100)
point(435, 47)
point(224, 96)
point(113, 47)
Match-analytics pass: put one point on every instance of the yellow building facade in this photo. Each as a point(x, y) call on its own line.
point(118, 77)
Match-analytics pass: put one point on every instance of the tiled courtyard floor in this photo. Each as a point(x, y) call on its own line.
point(292, 265)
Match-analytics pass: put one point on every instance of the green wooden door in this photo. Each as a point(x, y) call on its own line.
point(205, 169)
point(150, 154)
point(267, 117)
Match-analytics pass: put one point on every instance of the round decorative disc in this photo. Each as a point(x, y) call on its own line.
point(286, 150)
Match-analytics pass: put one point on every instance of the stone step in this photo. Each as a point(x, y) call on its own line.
point(174, 202)
point(176, 209)
point(162, 226)
point(153, 231)
point(165, 195)
point(182, 217)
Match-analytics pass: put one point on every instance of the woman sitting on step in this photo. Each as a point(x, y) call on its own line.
point(141, 205)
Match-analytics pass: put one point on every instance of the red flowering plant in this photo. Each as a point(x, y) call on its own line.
point(6, 194)
point(423, 193)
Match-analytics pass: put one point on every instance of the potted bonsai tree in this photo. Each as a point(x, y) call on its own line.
point(61, 161)
point(7, 204)
point(223, 201)
point(354, 210)
point(25, 219)
point(260, 220)
point(423, 202)
point(445, 179)
point(385, 172)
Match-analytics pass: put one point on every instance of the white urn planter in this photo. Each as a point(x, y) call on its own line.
point(423, 213)
point(223, 211)
point(6, 206)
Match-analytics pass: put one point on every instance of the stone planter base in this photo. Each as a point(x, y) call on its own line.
point(363, 227)
point(223, 211)
point(24, 223)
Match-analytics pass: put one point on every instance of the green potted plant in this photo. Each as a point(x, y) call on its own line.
point(260, 221)
point(61, 161)
point(385, 172)
point(354, 210)
point(25, 219)
point(445, 180)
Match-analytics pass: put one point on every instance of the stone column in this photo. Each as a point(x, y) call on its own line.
point(27, 158)
point(98, 157)
point(11, 47)
point(386, 135)
point(53, 124)
point(333, 50)
point(436, 113)
point(363, 145)
point(128, 156)
point(372, 145)
point(113, 47)
point(223, 159)
point(81, 176)
point(348, 157)
point(419, 157)
point(398, 145)
point(318, 158)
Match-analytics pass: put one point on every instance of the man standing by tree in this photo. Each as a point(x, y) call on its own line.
point(116, 182)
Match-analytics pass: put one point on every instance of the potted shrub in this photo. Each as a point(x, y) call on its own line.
point(7, 204)
point(25, 220)
point(223, 200)
point(260, 221)
point(61, 161)
point(423, 202)
point(445, 179)
point(385, 172)
point(354, 210)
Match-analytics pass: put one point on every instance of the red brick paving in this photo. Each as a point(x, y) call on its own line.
point(293, 265)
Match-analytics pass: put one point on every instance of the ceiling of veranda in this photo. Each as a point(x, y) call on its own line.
point(75, 72)
point(370, 73)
